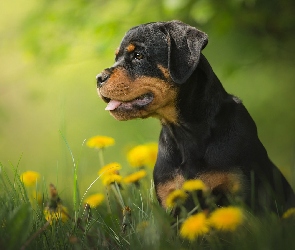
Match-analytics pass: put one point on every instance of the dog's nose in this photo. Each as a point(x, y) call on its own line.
point(102, 77)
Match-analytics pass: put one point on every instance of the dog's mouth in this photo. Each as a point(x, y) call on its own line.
point(138, 102)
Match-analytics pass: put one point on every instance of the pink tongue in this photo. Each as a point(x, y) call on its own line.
point(113, 104)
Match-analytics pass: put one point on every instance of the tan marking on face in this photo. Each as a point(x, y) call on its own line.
point(228, 182)
point(120, 87)
point(163, 190)
point(165, 72)
point(130, 48)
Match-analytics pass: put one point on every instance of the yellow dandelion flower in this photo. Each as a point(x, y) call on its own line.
point(100, 142)
point(194, 226)
point(290, 213)
point(135, 177)
point(111, 168)
point(176, 197)
point(60, 213)
point(94, 200)
point(143, 155)
point(227, 218)
point(153, 152)
point(29, 178)
point(194, 185)
point(109, 179)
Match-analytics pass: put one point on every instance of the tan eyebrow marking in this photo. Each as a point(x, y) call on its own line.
point(130, 48)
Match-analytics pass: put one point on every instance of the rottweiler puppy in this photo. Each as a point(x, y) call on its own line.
point(206, 134)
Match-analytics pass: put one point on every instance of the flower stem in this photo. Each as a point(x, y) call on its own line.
point(100, 156)
point(117, 193)
point(35, 235)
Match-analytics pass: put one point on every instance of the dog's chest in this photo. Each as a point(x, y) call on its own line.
point(177, 163)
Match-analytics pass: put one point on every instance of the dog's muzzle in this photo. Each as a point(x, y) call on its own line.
point(102, 77)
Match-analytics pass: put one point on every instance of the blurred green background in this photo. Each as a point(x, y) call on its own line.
point(51, 51)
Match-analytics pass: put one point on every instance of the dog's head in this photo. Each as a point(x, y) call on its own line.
point(151, 63)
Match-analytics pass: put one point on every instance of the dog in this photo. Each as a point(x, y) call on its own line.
point(206, 134)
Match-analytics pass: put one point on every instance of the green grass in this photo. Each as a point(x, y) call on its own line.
point(111, 226)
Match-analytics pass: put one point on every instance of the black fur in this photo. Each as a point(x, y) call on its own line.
point(214, 131)
point(218, 134)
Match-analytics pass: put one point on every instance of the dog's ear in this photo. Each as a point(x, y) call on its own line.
point(184, 48)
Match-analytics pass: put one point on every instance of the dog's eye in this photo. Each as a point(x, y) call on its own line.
point(138, 56)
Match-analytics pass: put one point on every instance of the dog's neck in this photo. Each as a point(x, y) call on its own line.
point(199, 101)
point(200, 96)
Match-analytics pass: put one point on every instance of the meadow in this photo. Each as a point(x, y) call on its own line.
point(124, 213)
point(52, 193)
